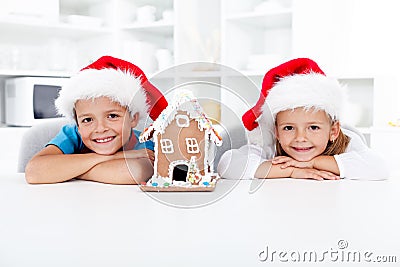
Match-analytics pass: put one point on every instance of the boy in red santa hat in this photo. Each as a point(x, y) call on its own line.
point(295, 131)
point(104, 102)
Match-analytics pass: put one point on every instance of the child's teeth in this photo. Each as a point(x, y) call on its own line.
point(104, 140)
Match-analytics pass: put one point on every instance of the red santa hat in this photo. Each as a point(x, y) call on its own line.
point(296, 83)
point(120, 80)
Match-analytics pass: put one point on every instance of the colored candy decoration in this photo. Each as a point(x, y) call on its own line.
point(154, 184)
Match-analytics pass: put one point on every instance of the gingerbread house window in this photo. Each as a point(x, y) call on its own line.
point(182, 120)
point(192, 146)
point(166, 146)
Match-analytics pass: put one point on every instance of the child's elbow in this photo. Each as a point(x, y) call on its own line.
point(31, 175)
point(31, 179)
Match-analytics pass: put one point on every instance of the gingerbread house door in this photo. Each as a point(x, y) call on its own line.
point(180, 172)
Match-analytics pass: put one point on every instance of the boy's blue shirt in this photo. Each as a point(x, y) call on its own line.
point(70, 142)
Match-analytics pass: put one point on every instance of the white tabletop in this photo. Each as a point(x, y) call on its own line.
point(82, 223)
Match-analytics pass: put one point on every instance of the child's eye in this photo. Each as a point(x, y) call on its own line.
point(314, 127)
point(86, 120)
point(113, 116)
point(288, 128)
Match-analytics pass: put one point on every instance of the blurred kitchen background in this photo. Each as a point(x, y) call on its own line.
point(352, 40)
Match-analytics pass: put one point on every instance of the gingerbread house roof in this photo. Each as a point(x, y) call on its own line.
point(183, 101)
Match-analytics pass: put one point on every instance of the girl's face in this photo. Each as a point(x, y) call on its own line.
point(104, 125)
point(304, 134)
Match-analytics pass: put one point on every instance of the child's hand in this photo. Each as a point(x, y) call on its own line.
point(141, 153)
point(285, 162)
point(136, 154)
point(315, 174)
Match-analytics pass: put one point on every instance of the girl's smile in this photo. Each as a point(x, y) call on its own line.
point(302, 149)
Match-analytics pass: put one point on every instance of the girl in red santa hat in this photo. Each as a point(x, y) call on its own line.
point(295, 131)
point(104, 102)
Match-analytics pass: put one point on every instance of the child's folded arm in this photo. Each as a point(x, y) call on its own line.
point(120, 171)
point(322, 163)
point(241, 163)
point(362, 165)
point(50, 165)
point(269, 170)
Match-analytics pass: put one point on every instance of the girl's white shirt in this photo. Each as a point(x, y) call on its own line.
point(358, 162)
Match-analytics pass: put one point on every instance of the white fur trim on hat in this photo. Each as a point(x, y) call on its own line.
point(264, 134)
point(310, 90)
point(120, 86)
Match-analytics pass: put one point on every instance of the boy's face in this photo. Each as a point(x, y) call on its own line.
point(304, 134)
point(104, 125)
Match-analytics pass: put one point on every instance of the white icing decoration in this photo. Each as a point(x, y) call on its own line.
point(167, 147)
point(159, 180)
point(182, 120)
point(185, 101)
point(145, 135)
point(192, 147)
point(181, 184)
point(206, 144)
point(155, 155)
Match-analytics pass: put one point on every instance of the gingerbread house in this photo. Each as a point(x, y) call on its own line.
point(185, 141)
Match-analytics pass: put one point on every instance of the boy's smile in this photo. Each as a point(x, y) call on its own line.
point(105, 126)
point(104, 140)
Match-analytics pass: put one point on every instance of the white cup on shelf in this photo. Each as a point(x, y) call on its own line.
point(168, 15)
point(164, 58)
point(141, 53)
point(146, 14)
